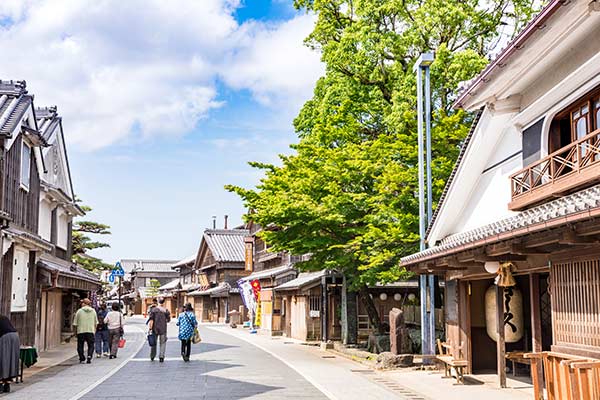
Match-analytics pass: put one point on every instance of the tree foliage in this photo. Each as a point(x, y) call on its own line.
point(347, 195)
point(82, 243)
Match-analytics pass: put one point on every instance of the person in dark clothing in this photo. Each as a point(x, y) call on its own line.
point(102, 332)
point(159, 318)
point(9, 353)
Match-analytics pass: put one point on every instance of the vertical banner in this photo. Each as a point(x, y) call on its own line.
point(248, 253)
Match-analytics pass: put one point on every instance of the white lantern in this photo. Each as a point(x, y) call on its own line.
point(397, 297)
point(383, 296)
point(492, 267)
point(412, 297)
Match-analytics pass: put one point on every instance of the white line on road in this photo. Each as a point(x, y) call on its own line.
point(302, 374)
point(113, 371)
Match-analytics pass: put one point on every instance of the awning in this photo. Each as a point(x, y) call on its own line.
point(221, 290)
point(174, 284)
point(269, 273)
point(303, 281)
point(571, 208)
point(65, 274)
point(189, 287)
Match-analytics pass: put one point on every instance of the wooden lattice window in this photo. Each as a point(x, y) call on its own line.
point(575, 291)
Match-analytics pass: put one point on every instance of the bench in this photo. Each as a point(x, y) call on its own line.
point(517, 357)
point(449, 362)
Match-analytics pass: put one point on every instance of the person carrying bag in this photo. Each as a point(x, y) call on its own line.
point(188, 331)
point(114, 320)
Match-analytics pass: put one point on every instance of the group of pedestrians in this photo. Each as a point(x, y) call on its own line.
point(158, 319)
point(100, 330)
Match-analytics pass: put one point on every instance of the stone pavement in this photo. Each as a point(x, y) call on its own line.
point(337, 377)
point(221, 367)
point(68, 379)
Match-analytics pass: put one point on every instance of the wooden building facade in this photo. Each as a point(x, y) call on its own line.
point(35, 266)
point(516, 234)
point(219, 264)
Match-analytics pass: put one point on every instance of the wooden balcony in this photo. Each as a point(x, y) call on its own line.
point(567, 169)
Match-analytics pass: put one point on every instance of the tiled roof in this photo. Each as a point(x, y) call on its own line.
point(48, 120)
point(536, 22)
point(576, 203)
point(304, 279)
point(174, 284)
point(461, 155)
point(130, 265)
point(14, 102)
point(64, 267)
point(226, 245)
point(185, 261)
point(268, 273)
point(222, 287)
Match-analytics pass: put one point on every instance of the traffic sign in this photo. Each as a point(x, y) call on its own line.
point(111, 278)
point(118, 270)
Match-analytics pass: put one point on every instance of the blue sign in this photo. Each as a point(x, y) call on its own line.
point(118, 270)
point(111, 278)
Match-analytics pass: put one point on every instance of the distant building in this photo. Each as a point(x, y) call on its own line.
point(141, 273)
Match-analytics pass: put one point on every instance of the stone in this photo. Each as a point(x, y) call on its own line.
point(400, 342)
point(387, 360)
point(378, 343)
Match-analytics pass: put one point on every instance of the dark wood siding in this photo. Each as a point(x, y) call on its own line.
point(6, 282)
point(22, 205)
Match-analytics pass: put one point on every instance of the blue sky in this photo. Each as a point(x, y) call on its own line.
point(158, 120)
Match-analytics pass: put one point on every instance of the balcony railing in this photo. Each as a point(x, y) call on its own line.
point(566, 169)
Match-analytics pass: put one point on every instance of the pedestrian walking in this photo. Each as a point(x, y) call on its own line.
point(9, 353)
point(159, 318)
point(86, 321)
point(101, 332)
point(187, 324)
point(114, 321)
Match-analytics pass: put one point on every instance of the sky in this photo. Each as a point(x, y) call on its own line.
point(163, 103)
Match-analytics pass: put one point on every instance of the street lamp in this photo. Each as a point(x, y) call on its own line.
point(426, 283)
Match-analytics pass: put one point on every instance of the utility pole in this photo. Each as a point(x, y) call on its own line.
point(426, 283)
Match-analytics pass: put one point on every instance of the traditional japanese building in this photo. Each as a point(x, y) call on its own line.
point(38, 283)
point(516, 232)
point(269, 269)
point(62, 282)
point(219, 264)
point(146, 276)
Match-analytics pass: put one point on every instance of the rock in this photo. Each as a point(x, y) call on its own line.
point(388, 360)
point(399, 336)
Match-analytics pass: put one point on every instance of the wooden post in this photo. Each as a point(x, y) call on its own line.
point(324, 314)
point(500, 345)
point(536, 333)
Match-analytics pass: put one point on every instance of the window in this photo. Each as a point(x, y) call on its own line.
point(25, 166)
point(20, 284)
point(575, 123)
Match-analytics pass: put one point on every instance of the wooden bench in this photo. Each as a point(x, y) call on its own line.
point(449, 362)
point(517, 357)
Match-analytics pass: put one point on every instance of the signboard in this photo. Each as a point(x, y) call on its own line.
point(111, 278)
point(248, 254)
point(314, 313)
point(118, 270)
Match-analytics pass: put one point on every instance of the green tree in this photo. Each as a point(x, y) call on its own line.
point(82, 243)
point(347, 195)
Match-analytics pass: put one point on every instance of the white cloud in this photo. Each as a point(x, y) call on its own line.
point(268, 61)
point(149, 67)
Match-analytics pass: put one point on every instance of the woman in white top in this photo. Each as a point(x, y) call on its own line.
point(114, 320)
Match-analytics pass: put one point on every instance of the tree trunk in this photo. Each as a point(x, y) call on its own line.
point(363, 294)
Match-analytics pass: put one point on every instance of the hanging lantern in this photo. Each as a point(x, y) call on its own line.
point(512, 316)
point(397, 297)
point(412, 297)
point(491, 267)
point(505, 278)
point(383, 296)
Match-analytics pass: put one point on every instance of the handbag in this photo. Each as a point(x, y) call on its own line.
point(152, 339)
point(196, 338)
point(122, 343)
